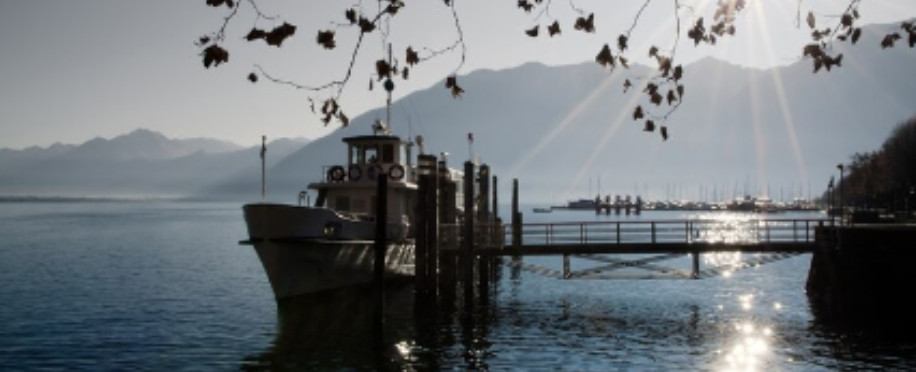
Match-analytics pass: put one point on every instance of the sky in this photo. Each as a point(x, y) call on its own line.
point(75, 70)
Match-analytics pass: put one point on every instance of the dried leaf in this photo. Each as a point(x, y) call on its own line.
point(326, 39)
point(394, 7)
point(276, 36)
point(524, 4)
point(255, 34)
point(678, 73)
point(533, 32)
point(252, 77)
point(671, 97)
point(586, 24)
point(664, 65)
point(204, 40)
point(656, 98)
point(846, 20)
point(365, 25)
point(889, 40)
point(810, 20)
point(382, 69)
point(651, 88)
point(856, 34)
point(554, 28)
point(664, 132)
point(412, 56)
point(638, 114)
point(329, 107)
point(216, 3)
point(623, 62)
point(344, 120)
point(604, 57)
point(650, 126)
point(405, 73)
point(653, 51)
point(351, 15)
point(451, 82)
point(697, 32)
point(214, 55)
point(622, 43)
point(680, 91)
point(627, 85)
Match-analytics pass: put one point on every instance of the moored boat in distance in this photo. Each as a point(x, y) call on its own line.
point(328, 245)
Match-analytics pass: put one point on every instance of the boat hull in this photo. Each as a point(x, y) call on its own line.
point(308, 266)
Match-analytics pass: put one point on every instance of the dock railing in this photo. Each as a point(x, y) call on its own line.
point(697, 231)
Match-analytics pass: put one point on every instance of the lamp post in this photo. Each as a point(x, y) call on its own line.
point(840, 186)
point(830, 201)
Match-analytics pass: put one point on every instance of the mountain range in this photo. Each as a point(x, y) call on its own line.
point(142, 163)
point(561, 130)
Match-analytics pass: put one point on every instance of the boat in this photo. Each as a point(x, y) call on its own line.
point(583, 204)
point(542, 210)
point(306, 249)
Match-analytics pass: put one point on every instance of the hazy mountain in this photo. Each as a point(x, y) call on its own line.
point(141, 163)
point(560, 129)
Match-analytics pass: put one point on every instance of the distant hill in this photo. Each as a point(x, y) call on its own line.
point(140, 163)
point(560, 129)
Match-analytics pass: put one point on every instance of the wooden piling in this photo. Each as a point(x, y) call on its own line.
point(425, 260)
point(381, 222)
point(467, 241)
point(485, 231)
point(516, 229)
point(448, 189)
point(495, 198)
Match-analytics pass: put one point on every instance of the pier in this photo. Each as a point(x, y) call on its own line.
point(463, 250)
point(460, 252)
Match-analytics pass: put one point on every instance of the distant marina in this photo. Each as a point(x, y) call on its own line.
point(619, 203)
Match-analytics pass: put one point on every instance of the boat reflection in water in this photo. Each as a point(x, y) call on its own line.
point(334, 330)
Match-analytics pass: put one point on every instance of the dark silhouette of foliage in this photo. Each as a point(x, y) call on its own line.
point(886, 178)
point(663, 88)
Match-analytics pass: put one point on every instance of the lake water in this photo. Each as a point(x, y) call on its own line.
point(165, 286)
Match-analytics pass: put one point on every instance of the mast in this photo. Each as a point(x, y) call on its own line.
point(389, 86)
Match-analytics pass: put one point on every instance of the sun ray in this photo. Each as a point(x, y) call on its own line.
point(568, 120)
point(785, 111)
point(605, 138)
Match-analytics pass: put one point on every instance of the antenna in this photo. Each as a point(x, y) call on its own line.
point(389, 86)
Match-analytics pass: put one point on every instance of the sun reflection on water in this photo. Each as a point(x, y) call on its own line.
point(749, 343)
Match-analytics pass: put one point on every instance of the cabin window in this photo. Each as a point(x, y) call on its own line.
point(388, 153)
point(342, 203)
point(371, 154)
point(355, 157)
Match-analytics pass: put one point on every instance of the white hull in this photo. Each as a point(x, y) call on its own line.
point(301, 256)
point(302, 267)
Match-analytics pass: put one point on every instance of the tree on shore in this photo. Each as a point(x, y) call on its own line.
point(661, 91)
point(885, 178)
